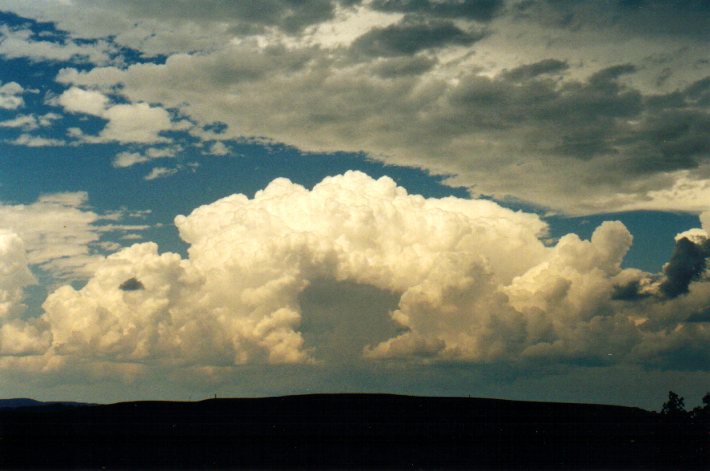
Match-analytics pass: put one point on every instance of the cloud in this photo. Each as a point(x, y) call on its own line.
point(249, 306)
point(472, 282)
point(561, 105)
point(687, 264)
point(11, 96)
point(17, 336)
point(29, 140)
point(20, 43)
point(166, 27)
point(481, 10)
point(644, 18)
point(58, 233)
point(509, 135)
point(137, 122)
point(705, 221)
point(529, 71)
point(218, 148)
point(131, 284)
point(128, 159)
point(77, 100)
point(127, 123)
point(160, 172)
point(14, 274)
point(30, 122)
point(408, 38)
point(26, 122)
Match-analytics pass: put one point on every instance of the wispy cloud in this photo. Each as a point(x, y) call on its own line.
point(160, 172)
point(58, 231)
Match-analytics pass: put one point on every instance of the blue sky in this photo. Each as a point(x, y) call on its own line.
point(524, 126)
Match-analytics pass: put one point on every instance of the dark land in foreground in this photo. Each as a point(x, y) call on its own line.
point(348, 430)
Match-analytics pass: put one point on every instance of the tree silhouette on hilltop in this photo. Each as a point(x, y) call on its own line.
point(674, 406)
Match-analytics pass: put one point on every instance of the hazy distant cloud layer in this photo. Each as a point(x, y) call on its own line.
point(569, 105)
point(473, 280)
point(60, 234)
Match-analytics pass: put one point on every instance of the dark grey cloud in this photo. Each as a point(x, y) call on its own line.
point(528, 71)
point(481, 10)
point(699, 92)
point(598, 117)
point(635, 17)
point(700, 316)
point(397, 67)
point(405, 38)
point(629, 292)
point(341, 318)
point(508, 134)
point(673, 139)
point(131, 284)
point(246, 16)
point(685, 351)
point(578, 114)
point(687, 264)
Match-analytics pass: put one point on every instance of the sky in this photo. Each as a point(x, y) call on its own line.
point(495, 198)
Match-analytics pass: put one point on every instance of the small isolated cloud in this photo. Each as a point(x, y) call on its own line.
point(128, 159)
point(25, 122)
point(131, 237)
point(29, 140)
point(11, 96)
point(29, 122)
point(131, 284)
point(218, 148)
point(160, 172)
point(127, 123)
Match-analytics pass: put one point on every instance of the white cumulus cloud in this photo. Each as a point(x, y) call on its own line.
point(14, 273)
point(474, 281)
point(11, 96)
point(127, 123)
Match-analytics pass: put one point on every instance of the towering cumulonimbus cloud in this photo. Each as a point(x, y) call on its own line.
point(474, 280)
point(235, 299)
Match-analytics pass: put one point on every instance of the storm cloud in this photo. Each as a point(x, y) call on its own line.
point(687, 264)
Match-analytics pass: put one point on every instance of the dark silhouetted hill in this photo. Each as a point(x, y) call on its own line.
point(25, 402)
point(348, 430)
point(19, 402)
